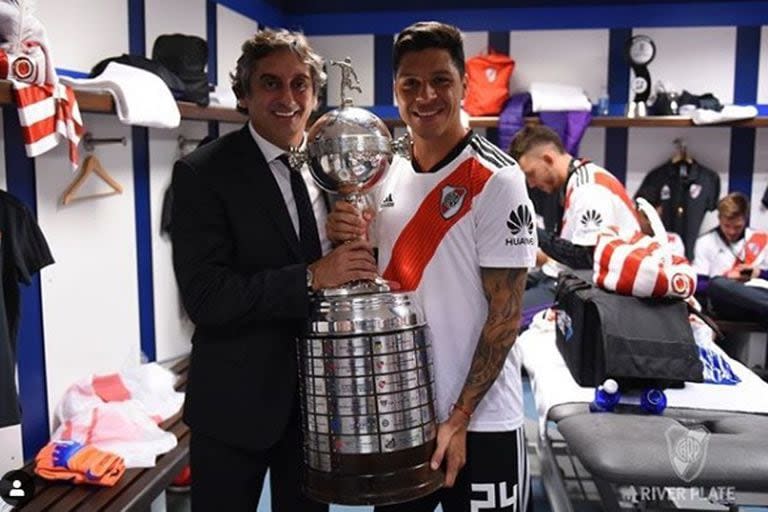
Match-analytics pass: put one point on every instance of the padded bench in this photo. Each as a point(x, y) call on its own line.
point(747, 342)
point(138, 487)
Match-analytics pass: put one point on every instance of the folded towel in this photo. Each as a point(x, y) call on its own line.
point(223, 96)
point(729, 113)
point(557, 97)
point(141, 97)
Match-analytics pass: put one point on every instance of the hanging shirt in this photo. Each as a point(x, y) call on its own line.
point(23, 253)
point(686, 192)
point(715, 256)
point(436, 230)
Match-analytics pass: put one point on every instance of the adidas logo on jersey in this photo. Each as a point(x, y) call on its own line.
point(387, 202)
point(591, 219)
point(520, 223)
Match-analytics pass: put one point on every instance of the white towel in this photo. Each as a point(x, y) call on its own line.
point(223, 96)
point(729, 113)
point(141, 97)
point(553, 97)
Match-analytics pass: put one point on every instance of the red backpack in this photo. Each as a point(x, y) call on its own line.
point(488, 83)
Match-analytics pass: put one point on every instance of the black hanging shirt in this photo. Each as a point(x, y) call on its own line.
point(686, 192)
point(23, 252)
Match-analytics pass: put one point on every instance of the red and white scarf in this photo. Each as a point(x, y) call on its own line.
point(47, 109)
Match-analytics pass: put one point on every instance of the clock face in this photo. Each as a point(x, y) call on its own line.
point(641, 50)
point(639, 85)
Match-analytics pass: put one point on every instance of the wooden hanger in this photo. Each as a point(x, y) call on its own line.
point(91, 165)
point(681, 153)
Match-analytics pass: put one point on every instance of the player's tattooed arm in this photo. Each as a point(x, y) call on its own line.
point(504, 292)
point(503, 289)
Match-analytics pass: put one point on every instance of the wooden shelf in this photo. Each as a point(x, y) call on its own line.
point(632, 122)
point(102, 103)
point(618, 122)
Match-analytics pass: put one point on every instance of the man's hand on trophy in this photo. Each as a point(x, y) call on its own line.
point(451, 448)
point(348, 262)
point(345, 223)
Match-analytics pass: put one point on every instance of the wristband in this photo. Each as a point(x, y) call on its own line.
point(463, 411)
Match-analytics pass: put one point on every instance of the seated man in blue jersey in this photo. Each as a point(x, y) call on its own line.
point(590, 198)
point(732, 261)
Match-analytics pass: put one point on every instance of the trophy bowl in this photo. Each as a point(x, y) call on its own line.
point(349, 150)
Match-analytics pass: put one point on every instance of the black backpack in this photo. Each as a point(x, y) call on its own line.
point(174, 83)
point(187, 57)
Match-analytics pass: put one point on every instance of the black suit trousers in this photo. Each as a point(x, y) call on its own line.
point(226, 477)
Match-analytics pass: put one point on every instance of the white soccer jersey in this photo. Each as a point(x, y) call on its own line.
point(714, 256)
point(435, 231)
point(594, 199)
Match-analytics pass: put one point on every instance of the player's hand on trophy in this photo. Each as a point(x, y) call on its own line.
point(347, 262)
point(345, 223)
point(451, 448)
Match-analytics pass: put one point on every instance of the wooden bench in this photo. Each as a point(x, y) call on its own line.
point(138, 487)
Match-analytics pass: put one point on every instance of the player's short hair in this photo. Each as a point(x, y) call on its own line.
point(733, 205)
point(424, 35)
point(532, 136)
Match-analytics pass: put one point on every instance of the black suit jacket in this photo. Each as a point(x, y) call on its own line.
point(242, 279)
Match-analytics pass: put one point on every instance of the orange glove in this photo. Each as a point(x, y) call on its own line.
point(69, 460)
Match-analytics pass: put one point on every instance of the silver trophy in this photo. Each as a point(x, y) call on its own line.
point(349, 150)
point(365, 369)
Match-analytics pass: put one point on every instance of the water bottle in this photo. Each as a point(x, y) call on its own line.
point(607, 396)
point(653, 401)
point(603, 103)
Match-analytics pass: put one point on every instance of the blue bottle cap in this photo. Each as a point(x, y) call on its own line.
point(653, 401)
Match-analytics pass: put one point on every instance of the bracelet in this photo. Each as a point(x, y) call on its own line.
point(463, 411)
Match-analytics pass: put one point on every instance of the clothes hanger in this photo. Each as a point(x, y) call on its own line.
point(681, 153)
point(91, 165)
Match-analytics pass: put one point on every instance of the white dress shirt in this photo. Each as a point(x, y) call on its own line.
point(283, 178)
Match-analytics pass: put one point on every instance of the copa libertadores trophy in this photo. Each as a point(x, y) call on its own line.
point(640, 51)
point(365, 369)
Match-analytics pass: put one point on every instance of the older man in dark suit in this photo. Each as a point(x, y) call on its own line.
point(246, 248)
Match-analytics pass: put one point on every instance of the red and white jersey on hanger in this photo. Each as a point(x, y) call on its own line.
point(435, 231)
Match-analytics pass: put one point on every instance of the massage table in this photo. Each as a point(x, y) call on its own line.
point(628, 449)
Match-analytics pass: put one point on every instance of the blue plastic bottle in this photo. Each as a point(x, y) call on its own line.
point(653, 401)
point(607, 396)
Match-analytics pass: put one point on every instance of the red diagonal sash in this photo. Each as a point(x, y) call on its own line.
point(419, 240)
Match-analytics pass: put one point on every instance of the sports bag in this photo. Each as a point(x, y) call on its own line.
point(187, 57)
point(638, 342)
point(488, 83)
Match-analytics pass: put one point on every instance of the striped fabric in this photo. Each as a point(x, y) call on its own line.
point(636, 264)
point(47, 113)
point(47, 108)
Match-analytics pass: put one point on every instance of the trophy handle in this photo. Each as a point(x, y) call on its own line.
point(402, 146)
